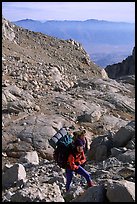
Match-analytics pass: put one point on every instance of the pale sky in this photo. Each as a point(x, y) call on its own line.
point(110, 11)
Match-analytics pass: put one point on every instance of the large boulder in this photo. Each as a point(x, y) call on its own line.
point(120, 191)
point(92, 194)
point(30, 158)
point(124, 134)
point(13, 175)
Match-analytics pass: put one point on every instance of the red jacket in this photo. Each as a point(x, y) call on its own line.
point(78, 158)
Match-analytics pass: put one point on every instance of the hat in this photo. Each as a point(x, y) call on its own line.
point(78, 142)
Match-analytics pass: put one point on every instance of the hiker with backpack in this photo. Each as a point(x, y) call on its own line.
point(69, 155)
point(75, 159)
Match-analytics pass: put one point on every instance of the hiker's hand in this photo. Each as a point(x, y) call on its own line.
point(77, 163)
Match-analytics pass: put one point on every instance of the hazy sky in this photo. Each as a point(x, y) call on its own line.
point(111, 11)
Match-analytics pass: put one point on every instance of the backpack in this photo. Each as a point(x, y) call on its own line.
point(55, 139)
point(63, 145)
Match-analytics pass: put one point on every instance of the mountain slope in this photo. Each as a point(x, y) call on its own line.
point(68, 57)
point(105, 42)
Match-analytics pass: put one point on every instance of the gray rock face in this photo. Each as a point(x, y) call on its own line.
point(13, 174)
point(30, 158)
point(121, 191)
point(7, 30)
point(122, 137)
point(106, 145)
point(125, 68)
point(93, 194)
point(128, 156)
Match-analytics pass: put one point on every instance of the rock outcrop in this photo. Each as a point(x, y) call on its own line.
point(122, 69)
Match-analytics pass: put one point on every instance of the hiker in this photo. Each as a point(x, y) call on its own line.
point(82, 136)
point(75, 159)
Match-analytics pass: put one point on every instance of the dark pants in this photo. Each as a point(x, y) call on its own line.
point(81, 171)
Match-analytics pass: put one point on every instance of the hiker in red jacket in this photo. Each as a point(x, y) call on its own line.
point(75, 160)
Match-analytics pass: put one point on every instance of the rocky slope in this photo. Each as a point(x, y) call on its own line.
point(96, 36)
point(48, 83)
point(126, 67)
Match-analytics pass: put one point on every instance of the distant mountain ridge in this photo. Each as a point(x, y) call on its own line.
point(88, 20)
point(79, 29)
point(101, 39)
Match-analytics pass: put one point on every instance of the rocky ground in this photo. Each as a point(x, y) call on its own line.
point(48, 83)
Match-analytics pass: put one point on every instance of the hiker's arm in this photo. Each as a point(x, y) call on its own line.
point(71, 161)
point(83, 158)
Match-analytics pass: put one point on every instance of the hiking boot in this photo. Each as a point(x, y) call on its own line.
point(90, 184)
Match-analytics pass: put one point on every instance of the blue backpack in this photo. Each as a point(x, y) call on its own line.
point(62, 143)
